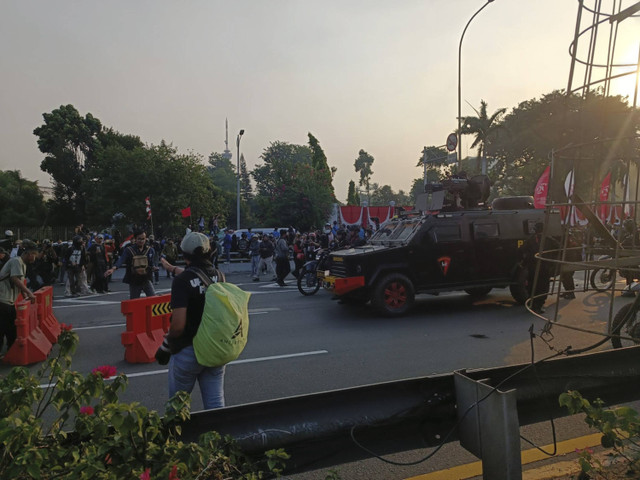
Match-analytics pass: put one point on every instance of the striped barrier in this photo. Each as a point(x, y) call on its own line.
point(47, 320)
point(31, 345)
point(147, 320)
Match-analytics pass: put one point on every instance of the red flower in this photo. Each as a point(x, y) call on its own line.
point(107, 371)
point(86, 410)
point(146, 475)
point(173, 474)
point(65, 327)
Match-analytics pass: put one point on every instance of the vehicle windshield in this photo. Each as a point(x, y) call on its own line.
point(398, 231)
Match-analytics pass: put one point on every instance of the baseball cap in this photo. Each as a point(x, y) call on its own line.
point(194, 240)
point(28, 245)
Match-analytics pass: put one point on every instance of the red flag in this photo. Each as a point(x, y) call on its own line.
point(186, 212)
point(540, 194)
point(604, 196)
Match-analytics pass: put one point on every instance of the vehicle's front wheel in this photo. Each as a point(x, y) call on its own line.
point(630, 329)
point(393, 295)
point(602, 279)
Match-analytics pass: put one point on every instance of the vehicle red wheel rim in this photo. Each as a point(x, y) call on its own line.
point(395, 295)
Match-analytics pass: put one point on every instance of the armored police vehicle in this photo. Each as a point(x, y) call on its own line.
point(455, 243)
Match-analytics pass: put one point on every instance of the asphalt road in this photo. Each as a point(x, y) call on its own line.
point(299, 345)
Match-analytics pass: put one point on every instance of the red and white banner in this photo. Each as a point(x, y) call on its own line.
point(356, 215)
point(542, 187)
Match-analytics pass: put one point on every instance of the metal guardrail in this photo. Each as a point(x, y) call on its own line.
point(318, 430)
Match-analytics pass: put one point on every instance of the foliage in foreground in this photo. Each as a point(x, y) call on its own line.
point(620, 428)
point(75, 428)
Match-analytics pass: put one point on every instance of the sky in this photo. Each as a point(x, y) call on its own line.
point(358, 74)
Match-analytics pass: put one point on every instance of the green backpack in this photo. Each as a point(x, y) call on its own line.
point(224, 328)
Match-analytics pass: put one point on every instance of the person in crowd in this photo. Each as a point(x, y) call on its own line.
point(170, 252)
point(4, 257)
point(12, 277)
point(75, 261)
point(48, 262)
point(527, 252)
point(214, 229)
point(7, 242)
point(201, 223)
point(155, 246)
point(187, 303)
point(226, 243)
point(283, 267)
point(243, 246)
point(267, 248)
point(98, 257)
point(138, 261)
point(298, 255)
point(254, 254)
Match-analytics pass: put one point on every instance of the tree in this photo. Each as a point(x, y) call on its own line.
point(222, 172)
point(21, 202)
point(246, 190)
point(384, 195)
point(319, 160)
point(537, 127)
point(484, 128)
point(436, 162)
point(363, 166)
point(70, 143)
point(290, 191)
point(352, 195)
point(122, 179)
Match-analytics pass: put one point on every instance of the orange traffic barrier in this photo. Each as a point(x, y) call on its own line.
point(31, 345)
point(47, 320)
point(148, 320)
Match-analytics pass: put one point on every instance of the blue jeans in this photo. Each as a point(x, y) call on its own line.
point(184, 370)
point(136, 290)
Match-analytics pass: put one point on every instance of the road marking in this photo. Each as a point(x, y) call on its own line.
point(235, 362)
point(470, 470)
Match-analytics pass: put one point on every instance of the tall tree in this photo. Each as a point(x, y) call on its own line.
point(352, 194)
point(484, 128)
point(70, 143)
point(319, 159)
point(435, 159)
point(363, 166)
point(246, 190)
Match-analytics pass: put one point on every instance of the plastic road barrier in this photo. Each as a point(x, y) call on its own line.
point(46, 319)
point(31, 345)
point(147, 320)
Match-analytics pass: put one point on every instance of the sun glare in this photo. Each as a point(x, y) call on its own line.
point(626, 85)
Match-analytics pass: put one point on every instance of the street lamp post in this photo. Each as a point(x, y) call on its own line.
point(459, 82)
point(238, 199)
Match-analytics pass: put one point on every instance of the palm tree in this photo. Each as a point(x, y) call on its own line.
point(483, 128)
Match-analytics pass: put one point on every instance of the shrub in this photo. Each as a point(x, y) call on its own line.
point(75, 428)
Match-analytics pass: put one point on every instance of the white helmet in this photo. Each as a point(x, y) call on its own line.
point(8, 233)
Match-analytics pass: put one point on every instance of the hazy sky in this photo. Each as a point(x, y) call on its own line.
point(358, 74)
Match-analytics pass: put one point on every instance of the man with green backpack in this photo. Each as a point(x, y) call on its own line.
point(209, 324)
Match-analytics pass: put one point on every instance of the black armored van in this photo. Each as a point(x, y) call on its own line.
point(473, 248)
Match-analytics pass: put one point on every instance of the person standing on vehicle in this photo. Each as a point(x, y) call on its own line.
point(138, 259)
point(283, 267)
point(187, 304)
point(12, 277)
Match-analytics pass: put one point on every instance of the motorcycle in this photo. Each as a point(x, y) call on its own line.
point(312, 273)
point(625, 327)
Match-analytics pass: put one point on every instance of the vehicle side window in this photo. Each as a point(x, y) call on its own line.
point(446, 233)
point(486, 230)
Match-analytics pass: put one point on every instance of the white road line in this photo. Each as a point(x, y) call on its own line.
point(235, 362)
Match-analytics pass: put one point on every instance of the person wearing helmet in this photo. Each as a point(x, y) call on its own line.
point(12, 277)
point(187, 304)
point(7, 241)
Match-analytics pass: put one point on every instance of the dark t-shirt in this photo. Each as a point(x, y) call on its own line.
point(187, 292)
